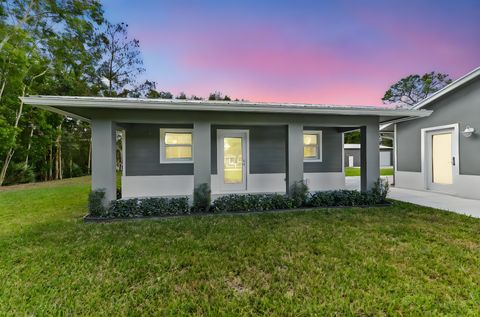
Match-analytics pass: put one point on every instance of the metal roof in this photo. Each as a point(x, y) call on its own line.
point(50, 102)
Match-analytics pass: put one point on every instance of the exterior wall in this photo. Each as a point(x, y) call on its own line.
point(460, 107)
point(143, 151)
point(356, 157)
point(146, 176)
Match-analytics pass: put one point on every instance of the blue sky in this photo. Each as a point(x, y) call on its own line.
point(340, 52)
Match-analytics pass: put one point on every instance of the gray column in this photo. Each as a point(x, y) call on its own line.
point(370, 155)
point(294, 154)
point(201, 153)
point(103, 157)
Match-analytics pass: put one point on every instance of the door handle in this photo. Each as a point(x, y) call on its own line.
point(453, 161)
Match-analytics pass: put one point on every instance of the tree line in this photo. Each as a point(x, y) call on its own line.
point(56, 47)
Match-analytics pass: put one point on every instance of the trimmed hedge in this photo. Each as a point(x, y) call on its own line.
point(299, 197)
point(252, 202)
point(149, 207)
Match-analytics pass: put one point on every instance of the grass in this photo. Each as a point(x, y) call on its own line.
point(355, 171)
point(403, 260)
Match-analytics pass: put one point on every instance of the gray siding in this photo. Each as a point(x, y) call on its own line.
point(143, 151)
point(356, 156)
point(267, 150)
point(461, 106)
point(331, 152)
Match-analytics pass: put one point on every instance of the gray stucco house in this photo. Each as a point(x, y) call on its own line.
point(442, 152)
point(352, 155)
point(172, 146)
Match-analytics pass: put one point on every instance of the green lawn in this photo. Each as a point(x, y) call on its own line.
point(403, 260)
point(355, 171)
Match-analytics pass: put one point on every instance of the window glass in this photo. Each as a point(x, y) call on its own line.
point(178, 138)
point(311, 146)
point(176, 145)
point(310, 151)
point(178, 152)
point(310, 139)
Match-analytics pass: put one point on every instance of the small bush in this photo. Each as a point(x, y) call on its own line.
point(252, 202)
point(334, 198)
point(202, 198)
point(130, 208)
point(95, 202)
point(299, 193)
point(377, 195)
point(380, 191)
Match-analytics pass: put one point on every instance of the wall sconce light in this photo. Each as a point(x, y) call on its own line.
point(468, 131)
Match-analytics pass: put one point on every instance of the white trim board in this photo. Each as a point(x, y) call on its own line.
point(324, 181)
point(156, 186)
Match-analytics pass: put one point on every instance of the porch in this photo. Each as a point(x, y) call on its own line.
point(275, 143)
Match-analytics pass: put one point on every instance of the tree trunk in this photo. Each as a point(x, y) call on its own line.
point(58, 154)
point(11, 150)
point(29, 147)
point(8, 157)
point(50, 163)
point(89, 164)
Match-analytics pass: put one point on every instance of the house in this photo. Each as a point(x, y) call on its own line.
point(442, 152)
point(173, 146)
point(352, 155)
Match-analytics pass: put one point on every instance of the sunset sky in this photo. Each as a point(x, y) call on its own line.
point(339, 52)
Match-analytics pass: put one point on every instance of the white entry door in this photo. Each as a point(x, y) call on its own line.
point(441, 160)
point(232, 159)
point(350, 160)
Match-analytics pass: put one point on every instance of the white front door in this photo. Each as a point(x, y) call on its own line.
point(441, 160)
point(232, 159)
point(350, 161)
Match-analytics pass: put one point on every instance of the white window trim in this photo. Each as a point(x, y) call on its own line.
point(319, 145)
point(164, 160)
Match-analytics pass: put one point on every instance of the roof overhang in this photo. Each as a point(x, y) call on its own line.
point(52, 103)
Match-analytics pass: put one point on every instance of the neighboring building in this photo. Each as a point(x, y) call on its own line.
point(442, 152)
point(352, 155)
point(172, 146)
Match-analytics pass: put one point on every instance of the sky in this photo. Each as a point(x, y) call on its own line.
point(327, 52)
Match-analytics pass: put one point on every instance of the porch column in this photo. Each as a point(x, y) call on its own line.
point(201, 153)
point(294, 154)
point(104, 157)
point(370, 155)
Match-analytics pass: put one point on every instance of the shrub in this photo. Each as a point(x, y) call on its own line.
point(129, 208)
point(299, 193)
point(380, 191)
point(334, 198)
point(252, 202)
point(202, 198)
point(377, 195)
point(18, 173)
point(95, 202)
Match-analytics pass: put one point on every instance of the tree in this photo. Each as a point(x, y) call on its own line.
point(181, 96)
point(412, 89)
point(218, 96)
point(46, 47)
point(121, 58)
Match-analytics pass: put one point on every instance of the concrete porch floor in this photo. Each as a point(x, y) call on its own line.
point(469, 207)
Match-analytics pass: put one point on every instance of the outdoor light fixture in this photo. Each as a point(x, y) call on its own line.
point(468, 131)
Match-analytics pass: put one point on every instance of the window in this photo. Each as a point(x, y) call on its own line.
point(312, 146)
point(176, 146)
